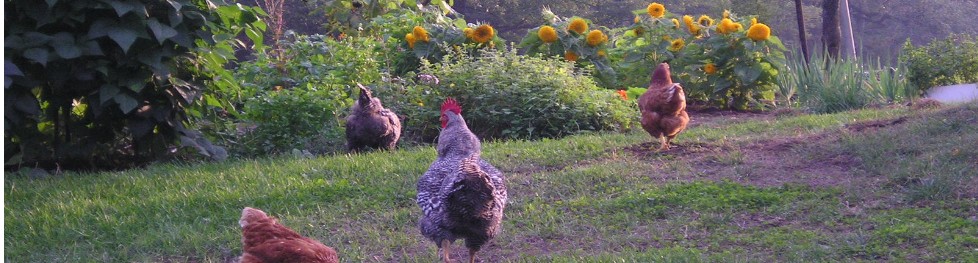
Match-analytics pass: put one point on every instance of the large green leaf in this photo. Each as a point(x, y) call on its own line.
point(39, 55)
point(64, 45)
point(126, 6)
point(126, 103)
point(123, 36)
point(107, 92)
point(161, 31)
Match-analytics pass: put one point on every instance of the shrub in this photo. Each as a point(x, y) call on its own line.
point(953, 60)
point(575, 39)
point(106, 83)
point(506, 95)
point(304, 98)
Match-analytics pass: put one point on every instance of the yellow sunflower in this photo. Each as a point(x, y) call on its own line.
point(656, 10)
point(602, 53)
point(547, 34)
point(705, 21)
point(710, 69)
point(728, 26)
point(570, 55)
point(596, 37)
point(421, 34)
point(677, 45)
point(693, 27)
point(759, 32)
point(637, 19)
point(468, 32)
point(578, 25)
point(753, 21)
point(726, 13)
point(675, 22)
point(483, 33)
point(410, 39)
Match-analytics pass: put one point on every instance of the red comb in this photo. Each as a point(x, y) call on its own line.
point(451, 105)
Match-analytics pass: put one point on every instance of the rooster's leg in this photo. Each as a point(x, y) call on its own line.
point(445, 250)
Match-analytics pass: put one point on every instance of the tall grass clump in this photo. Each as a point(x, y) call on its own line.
point(828, 85)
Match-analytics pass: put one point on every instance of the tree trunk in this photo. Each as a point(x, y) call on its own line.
point(831, 28)
point(801, 30)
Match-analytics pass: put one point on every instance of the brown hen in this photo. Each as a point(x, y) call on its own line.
point(663, 107)
point(267, 241)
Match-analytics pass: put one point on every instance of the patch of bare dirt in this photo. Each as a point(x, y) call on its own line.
point(874, 124)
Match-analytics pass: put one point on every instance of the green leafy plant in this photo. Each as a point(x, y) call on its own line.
point(304, 100)
point(95, 84)
point(570, 38)
point(506, 95)
point(953, 60)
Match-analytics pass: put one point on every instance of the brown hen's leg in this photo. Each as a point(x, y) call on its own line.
point(445, 250)
point(472, 255)
point(664, 143)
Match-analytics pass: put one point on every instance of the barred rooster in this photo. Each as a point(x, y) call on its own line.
point(663, 107)
point(371, 125)
point(462, 196)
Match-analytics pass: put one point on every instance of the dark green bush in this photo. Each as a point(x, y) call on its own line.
point(104, 84)
point(953, 60)
point(506, 95)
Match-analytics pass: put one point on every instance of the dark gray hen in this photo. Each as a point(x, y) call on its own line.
point(461, 195)
point(371, 125)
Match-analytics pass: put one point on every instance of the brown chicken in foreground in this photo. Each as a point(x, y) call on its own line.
point(267, 241)
point(663, 107)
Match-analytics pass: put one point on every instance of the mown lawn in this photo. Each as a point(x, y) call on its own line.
point(871, 185)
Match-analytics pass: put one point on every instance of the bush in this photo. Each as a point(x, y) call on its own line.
point(106, 84)
point(953, 60)
point(506, 95)
point(299, 100)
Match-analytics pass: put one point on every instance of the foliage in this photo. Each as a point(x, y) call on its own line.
point(102, 84)
point(305, 99)
point(436, 37)
point(558, 40)
point(948, 61)
point(828, 85)
point(352, 15)
point(506, 95)
point(718, 62)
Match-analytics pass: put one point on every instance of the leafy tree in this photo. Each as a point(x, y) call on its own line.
point(102, 84)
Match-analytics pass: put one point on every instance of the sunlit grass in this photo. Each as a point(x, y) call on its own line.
point(581, 198)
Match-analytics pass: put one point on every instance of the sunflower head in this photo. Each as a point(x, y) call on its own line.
point(578, 25)
point(410, 38)
point(656, 10)
point(570, 55)
point(421, 34)
point(602, 53)
point(726, 13)
point(596, 37)
point(547, 34)
point(705, 21)
point(759, 32)
point(468, 32)
point(753, 20)
point(728, 26)
point(710, 69)
point(483, 33)
point(693, 27)
point(675, 22)
point(677, 45)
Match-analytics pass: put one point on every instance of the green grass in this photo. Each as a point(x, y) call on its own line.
point(585, 198)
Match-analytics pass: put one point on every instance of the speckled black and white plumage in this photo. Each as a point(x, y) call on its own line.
point(461, 195)
point(371, 125)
